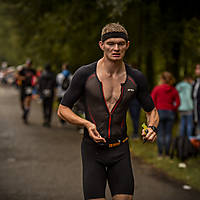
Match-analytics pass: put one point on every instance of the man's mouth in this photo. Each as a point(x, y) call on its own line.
point(116, 54)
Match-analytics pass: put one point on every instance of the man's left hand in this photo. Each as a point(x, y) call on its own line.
point(150, 135)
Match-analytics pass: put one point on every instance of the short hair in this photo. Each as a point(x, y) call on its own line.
point(113, 27)
point(168, 78)
point(65, 66)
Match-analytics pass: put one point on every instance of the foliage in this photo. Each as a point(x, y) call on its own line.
point(164, 35)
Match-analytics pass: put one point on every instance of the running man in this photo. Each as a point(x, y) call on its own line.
point(25, 75)
point(107, 86)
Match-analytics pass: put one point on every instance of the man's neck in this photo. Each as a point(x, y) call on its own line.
point(112, 67)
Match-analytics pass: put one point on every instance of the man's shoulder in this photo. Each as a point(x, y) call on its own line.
point(134, 73)
point(87, 67)
point(86, 70)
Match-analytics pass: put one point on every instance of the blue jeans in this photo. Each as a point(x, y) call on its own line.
point(186, 125)
point(165, 131)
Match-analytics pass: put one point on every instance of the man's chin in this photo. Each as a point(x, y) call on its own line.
point(116, 58)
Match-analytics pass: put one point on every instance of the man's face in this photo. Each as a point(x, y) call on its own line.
point(114, 48)
point(197, 70)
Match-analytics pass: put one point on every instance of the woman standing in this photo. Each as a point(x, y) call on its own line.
point(167, 101)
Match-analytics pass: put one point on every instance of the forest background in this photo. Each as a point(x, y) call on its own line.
point(164, 34)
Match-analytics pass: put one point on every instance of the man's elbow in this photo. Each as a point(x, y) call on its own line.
point(59, 112)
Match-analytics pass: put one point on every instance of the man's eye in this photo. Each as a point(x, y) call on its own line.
point(121, 43)
point(110, 43)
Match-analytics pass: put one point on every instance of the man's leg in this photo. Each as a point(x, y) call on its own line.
point(44, 106)
point(168, 135)
point(94, 172)
point(120, 174)
point(182, 125)
point(160, 140)
point(50, 107)
point(27, 104)
point(190, 125)
point(22, 97)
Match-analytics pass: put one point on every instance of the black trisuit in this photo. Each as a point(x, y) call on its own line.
point(101, 163)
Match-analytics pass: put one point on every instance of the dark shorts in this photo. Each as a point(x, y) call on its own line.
point(101, 164)
point(25, 92)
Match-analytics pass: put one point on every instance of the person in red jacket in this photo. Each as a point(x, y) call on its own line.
point(167, 101)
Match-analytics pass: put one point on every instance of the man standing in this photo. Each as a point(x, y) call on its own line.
point(196, 98)
point(25, 76)
point(107, 86)
point(185, 109)
point(62, 79)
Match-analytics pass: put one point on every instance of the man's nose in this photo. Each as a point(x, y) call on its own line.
point(116, 47)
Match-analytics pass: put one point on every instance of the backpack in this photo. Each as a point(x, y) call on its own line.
point(65, 83)
point(183, 148)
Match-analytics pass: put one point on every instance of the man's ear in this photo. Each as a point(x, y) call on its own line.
point(128, 44)
point(101, 45)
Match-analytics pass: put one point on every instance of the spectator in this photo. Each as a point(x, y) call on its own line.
point(65, 73)
point(134, 109)
point(196, 98)
point(167, 101)
point(184, 89)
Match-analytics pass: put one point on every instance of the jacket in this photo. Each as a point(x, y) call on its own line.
point(185, 94)
point(165, 97)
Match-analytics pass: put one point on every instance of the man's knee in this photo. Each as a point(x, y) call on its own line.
point(122, 197)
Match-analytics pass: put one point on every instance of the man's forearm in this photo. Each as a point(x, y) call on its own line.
point(67, 114)
point(152, 118)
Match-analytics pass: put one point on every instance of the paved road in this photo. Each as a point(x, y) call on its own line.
point(38, 163)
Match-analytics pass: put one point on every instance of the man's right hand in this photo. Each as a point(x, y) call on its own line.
point(94, 134)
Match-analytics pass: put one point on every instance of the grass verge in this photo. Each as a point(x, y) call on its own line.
point(148, 153)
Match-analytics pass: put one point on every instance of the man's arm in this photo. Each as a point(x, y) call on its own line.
point(152, 121)
point(67, 114)
point(20, 76)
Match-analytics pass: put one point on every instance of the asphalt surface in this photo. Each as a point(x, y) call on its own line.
point(38, 163)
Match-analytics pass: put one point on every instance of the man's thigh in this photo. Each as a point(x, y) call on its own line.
point(94, 173)
point(120, 176)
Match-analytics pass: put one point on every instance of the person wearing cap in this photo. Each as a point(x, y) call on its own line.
point(107, 86)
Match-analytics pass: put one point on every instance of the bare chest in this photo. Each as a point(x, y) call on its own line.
point(112, 90)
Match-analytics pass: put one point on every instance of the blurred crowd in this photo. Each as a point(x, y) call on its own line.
point(175, 102)
point(41, 85)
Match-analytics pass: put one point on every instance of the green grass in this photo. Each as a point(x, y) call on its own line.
point(148, 153)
